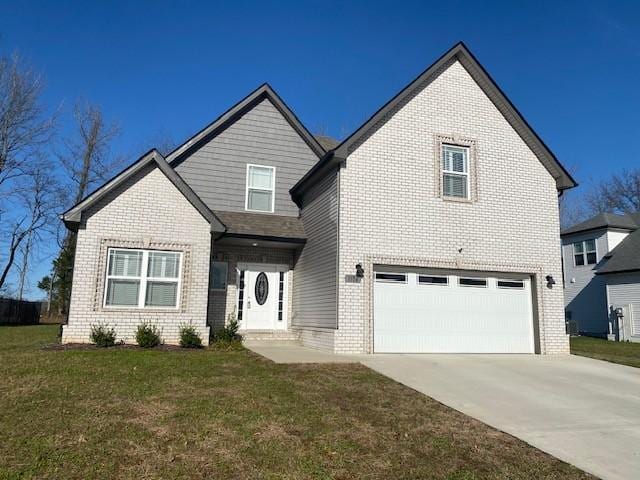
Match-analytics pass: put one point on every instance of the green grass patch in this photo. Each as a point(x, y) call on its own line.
point(227, 413)
point(625, 353)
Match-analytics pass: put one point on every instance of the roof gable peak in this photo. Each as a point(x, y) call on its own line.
point(461, 53)
point(229, 117)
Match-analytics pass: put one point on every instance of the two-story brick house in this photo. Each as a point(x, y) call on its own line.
point(432, 228)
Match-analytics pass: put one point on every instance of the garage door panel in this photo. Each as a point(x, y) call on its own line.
point(413, 317)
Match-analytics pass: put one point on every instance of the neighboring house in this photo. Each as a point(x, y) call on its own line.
point(601, 264)
point(432, 228)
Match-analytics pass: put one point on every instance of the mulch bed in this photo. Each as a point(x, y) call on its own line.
point(120, 346)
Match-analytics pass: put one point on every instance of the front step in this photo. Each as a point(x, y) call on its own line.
point(276, 335)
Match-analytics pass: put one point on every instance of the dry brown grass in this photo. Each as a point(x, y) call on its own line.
point(127, 413)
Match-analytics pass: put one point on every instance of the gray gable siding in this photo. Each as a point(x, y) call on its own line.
point(217, 170)
point(584, 292)
point(315, 273)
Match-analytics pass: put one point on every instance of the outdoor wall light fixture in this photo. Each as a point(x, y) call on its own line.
point(359, 270)
point(550, 281)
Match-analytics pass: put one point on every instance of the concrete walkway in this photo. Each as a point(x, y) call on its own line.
point(583, 411)
point(292, 352)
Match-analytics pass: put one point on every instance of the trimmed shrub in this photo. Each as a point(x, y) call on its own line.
point(229, 333)
point(103, 336)
point(148, 336)
point(189, 337)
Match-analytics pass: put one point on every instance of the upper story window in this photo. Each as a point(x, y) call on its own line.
point(261, 181)
point(584, 253)
point(455, 171)
point(142, 278)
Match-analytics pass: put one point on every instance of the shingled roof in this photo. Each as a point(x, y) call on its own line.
point(625, 257)
point(606, 220)
point(241, 224)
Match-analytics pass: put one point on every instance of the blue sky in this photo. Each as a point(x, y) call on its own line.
point(169, 68)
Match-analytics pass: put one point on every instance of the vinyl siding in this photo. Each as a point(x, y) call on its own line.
point(217, 170)
point(315, 273)
point(614, 238)
point(624, 289)
point(584, 291)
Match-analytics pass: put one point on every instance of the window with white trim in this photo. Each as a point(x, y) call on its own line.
point(142, 278)
point(455, 171)
point(584, 253)
point(261, 181)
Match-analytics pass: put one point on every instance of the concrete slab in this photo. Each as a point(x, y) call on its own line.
point(291, 352)
point(583, 411)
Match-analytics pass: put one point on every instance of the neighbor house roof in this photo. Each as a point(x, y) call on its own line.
point(625, 257)
point(73, 216)
point(605, 220)
point(238, 110)
point(459, 52)
point(246, 225)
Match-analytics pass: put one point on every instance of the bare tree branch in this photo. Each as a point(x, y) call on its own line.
point(36, 200)
point(23, 124)
point(87, 159)
point(620, 193)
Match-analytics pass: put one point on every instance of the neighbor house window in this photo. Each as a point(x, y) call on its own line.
point(584, 253)
point(261, 183)
point(219, 271)
point(455, 171)
point(142, 278)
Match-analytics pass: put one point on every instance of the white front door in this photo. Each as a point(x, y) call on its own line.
point(261, 297)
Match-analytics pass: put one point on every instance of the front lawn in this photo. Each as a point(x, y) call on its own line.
point(127, 413)
point(626, 353)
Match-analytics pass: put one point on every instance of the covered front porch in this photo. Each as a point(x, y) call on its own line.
point(251, 274)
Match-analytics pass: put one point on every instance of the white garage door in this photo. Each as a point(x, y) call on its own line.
point(452, 312)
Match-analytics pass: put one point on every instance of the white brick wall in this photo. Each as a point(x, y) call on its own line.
point(390, 210)
point(147, 211)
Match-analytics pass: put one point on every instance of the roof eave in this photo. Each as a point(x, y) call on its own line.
point(73, 217)
point(628, 270)
point(329, 162)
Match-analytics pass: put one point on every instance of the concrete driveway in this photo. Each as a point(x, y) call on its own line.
point(585, 412)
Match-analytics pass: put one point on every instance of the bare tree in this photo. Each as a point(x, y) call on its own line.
point(572, 209)
point(23, 124)
point(34, 201)
point(88, 159)
point(24, 193)
point(620, 193)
